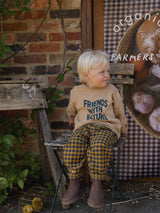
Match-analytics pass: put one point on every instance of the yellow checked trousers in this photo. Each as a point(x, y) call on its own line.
point(93, 142)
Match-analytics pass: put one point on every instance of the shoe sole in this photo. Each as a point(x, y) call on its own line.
point(95, 206)
point(71, 201)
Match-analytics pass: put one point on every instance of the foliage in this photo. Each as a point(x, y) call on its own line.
point(20, 4)
point(50, 188)
point(68, 68)
point(14, 169)
point(3, 50)
point(54, 94)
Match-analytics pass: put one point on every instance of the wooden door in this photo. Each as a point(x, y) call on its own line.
point(92, 24)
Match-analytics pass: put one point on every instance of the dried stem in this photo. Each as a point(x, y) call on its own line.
point(55, 82)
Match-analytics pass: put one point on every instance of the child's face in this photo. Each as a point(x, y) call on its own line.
point(100, 76)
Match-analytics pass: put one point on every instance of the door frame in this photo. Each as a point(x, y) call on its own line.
point(92, 24)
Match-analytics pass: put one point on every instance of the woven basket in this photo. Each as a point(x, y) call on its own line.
point(127, 45)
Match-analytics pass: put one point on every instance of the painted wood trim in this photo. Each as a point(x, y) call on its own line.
point(98, 24)
point(86, 24)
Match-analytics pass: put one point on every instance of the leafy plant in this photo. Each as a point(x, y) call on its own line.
point(68, 68)
point(10, 173)
point(32, 164)
point(54, 94)
point(50, 188)
point(20, 4)
point(14, 169)
point(3, 50)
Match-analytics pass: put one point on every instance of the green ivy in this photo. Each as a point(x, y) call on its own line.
point(21, 5)
point(3, 50)
point(15, 169)
point(54, 94)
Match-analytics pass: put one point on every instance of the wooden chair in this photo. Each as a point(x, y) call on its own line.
point(122, 75)
point(22, 95)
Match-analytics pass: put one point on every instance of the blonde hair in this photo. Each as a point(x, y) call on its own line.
point(88, 60)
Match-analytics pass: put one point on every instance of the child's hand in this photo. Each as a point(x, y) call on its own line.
point(124, 133)
point(71, 123)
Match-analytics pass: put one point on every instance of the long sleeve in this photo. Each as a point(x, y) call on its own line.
point(119, 111)
point(71, 109)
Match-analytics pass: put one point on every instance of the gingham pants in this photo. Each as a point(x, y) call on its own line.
point(93, 142)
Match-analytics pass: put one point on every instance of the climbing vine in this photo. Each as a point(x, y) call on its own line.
point(15, 170)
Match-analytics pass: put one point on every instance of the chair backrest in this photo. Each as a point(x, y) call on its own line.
point(122, 74)
point(15, 95)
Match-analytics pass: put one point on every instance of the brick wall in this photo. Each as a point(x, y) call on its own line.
point(42, 58)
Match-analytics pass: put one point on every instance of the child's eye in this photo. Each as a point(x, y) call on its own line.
point(105, 71)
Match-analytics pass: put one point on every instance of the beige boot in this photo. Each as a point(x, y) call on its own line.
point(73, 193)
point(96, 197)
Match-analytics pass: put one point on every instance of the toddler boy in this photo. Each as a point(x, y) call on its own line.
point(96, 110)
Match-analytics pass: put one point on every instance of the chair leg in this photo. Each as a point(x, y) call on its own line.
point(55, 195)
point(61, 165)
point(115, 180)
point(59, 180)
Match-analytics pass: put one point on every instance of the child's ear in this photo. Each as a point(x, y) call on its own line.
point(86, 75)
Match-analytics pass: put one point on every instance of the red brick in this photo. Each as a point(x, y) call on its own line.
point(67, 81)
point(34, 15)
point(42, 47)
point(69, 35)
point(10, 37)
point(27, 59)
point(14, 113)
point(73, 35)
point(52, 79)
point(39, 4)
point(44, 4)
point(56, 37)
point(14, 26)
point(23, 37)
point(47, 26)
point(58, 114)
point(9, 61)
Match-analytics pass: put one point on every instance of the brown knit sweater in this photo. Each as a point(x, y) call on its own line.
point(99, 106)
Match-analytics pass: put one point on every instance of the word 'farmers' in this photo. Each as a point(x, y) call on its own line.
point(127, 57)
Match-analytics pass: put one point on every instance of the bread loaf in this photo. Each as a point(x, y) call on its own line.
point(148, 38)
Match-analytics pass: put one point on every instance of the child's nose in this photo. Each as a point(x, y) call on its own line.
point(107, 73)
